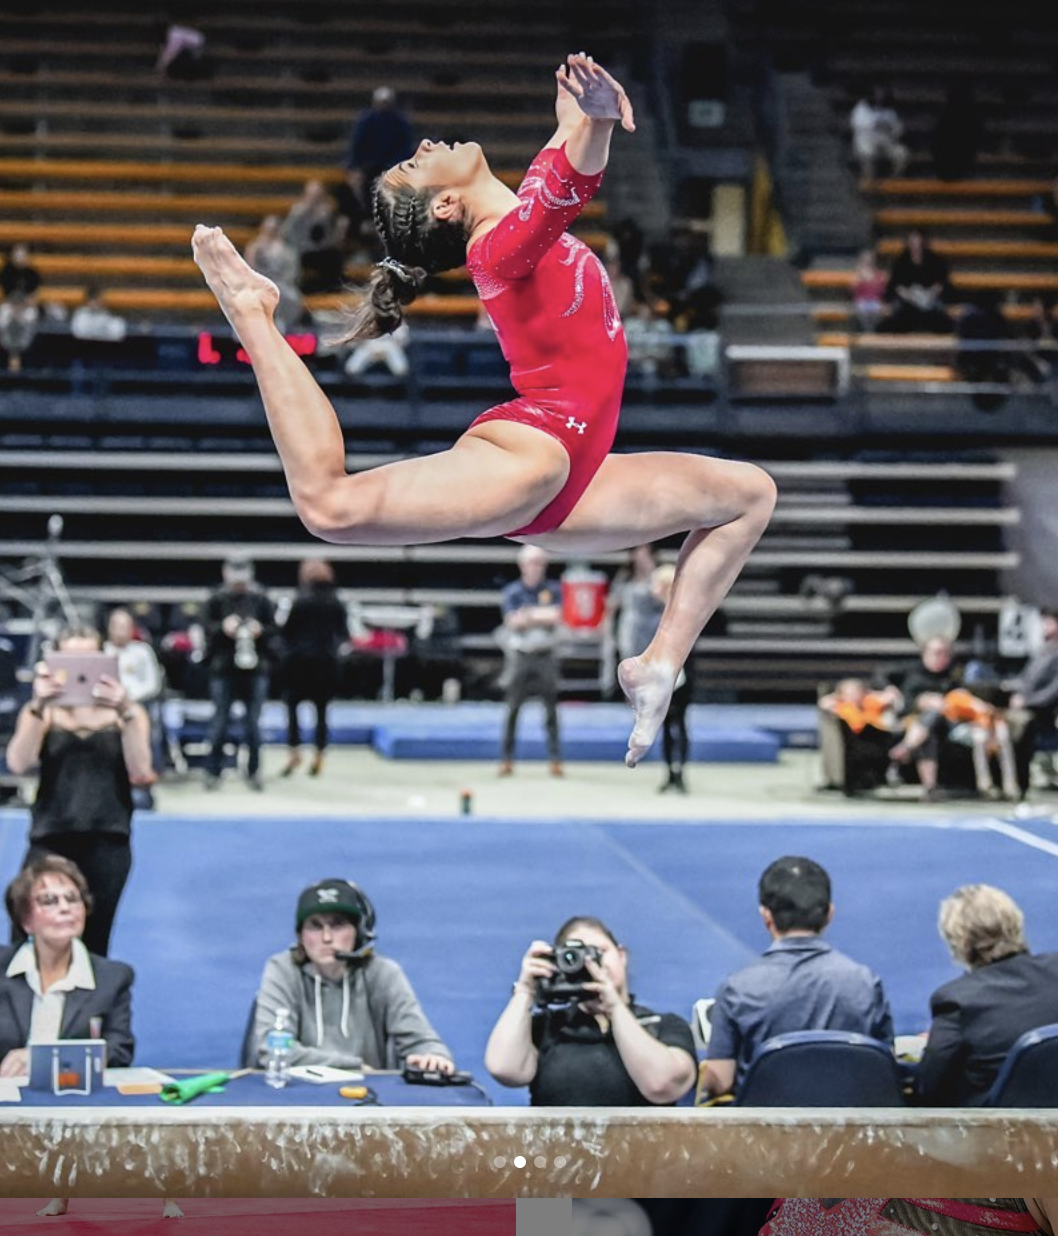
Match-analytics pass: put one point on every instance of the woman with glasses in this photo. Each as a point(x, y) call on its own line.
point(52, 987)
point(88, 756)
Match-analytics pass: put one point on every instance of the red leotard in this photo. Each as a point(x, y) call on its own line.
point(550, 301)
point(871, 1216)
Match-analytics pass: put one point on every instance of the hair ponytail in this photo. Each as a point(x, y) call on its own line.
point(417, 244)
point(381, 310)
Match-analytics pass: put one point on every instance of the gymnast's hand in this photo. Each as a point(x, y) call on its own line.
point(599, 96)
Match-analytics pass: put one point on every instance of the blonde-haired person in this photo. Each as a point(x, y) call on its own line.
point(978, 1017)
point(538, 468)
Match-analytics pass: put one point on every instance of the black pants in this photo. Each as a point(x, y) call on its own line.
point(674, 731)
point(250, 686)
point(313, 679)
point(105, 860)
point(532, 675)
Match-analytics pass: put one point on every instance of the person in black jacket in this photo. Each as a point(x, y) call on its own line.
point(314, 631)
point(51, 986)
point(978, 1017)
point(240, 639)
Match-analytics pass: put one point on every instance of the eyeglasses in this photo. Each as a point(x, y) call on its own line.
point(48, 901)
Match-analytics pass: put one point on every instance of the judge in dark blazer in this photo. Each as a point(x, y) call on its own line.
point(978, 1017)
point(51, 987)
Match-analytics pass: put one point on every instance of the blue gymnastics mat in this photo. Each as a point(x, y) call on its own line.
point(750, 733)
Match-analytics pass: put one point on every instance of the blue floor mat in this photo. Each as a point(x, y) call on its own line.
point(355, 723)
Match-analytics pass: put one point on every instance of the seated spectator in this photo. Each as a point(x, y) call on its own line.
point(316, 232)
point(978, 1017)
point(981, 323)
point(271, 255)
point(19, 312)
point(388, 351)
point(856, 731)
point(593, 1045)
point(651, 350)
point(93, 320)
point(1034, 692)
point(957, 132)
point(51, 986)
point(979, 724)
point(920, 683)
point(918, 287)
point(876, 133)
point(868, 292)
point(350, 1006)
point(1040, 363)
point(800, 982)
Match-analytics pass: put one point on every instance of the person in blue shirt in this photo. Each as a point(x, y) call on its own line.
point(531, 618)
point(381, 138)
point(800, 982)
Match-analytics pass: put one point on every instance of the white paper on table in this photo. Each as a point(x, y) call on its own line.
point(11, 1089)
point(323, 1073)
point(135, 1077)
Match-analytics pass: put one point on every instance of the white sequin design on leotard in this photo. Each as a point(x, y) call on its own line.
point(534, 189)
point(582, 255)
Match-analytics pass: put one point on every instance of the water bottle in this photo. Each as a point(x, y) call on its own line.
point(278, 1043)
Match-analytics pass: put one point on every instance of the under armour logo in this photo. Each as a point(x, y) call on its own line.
point(579, 426)
point(327, 895)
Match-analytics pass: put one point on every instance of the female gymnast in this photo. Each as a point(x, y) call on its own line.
point(538, 468)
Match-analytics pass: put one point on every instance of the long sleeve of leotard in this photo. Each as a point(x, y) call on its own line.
point(550, 197)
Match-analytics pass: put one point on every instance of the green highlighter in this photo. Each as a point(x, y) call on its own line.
point(185, 1091)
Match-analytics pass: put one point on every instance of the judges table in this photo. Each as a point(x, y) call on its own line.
point(307, 1141)
point(251, 1090)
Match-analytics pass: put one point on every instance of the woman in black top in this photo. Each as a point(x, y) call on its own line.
point(601, 1051)
point(315, 629)
point(88, 756)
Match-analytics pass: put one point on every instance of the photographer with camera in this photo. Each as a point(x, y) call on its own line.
point(90, 743)
point(241, 635)
point(574, 1035)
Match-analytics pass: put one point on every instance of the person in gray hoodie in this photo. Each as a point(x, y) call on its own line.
point(350, 1007)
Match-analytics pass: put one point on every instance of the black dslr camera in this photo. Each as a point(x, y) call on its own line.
point(567, 985)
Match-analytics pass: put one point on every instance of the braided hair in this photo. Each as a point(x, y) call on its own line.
point(417, 244)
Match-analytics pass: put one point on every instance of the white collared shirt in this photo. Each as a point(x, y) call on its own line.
point(48, 1006)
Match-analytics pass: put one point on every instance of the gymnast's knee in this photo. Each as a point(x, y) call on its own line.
point(761, 492)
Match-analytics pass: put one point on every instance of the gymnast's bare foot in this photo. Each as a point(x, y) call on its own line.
point(57, 1206)
point(170, 1210)
point(649, 686)
point(239, 289)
